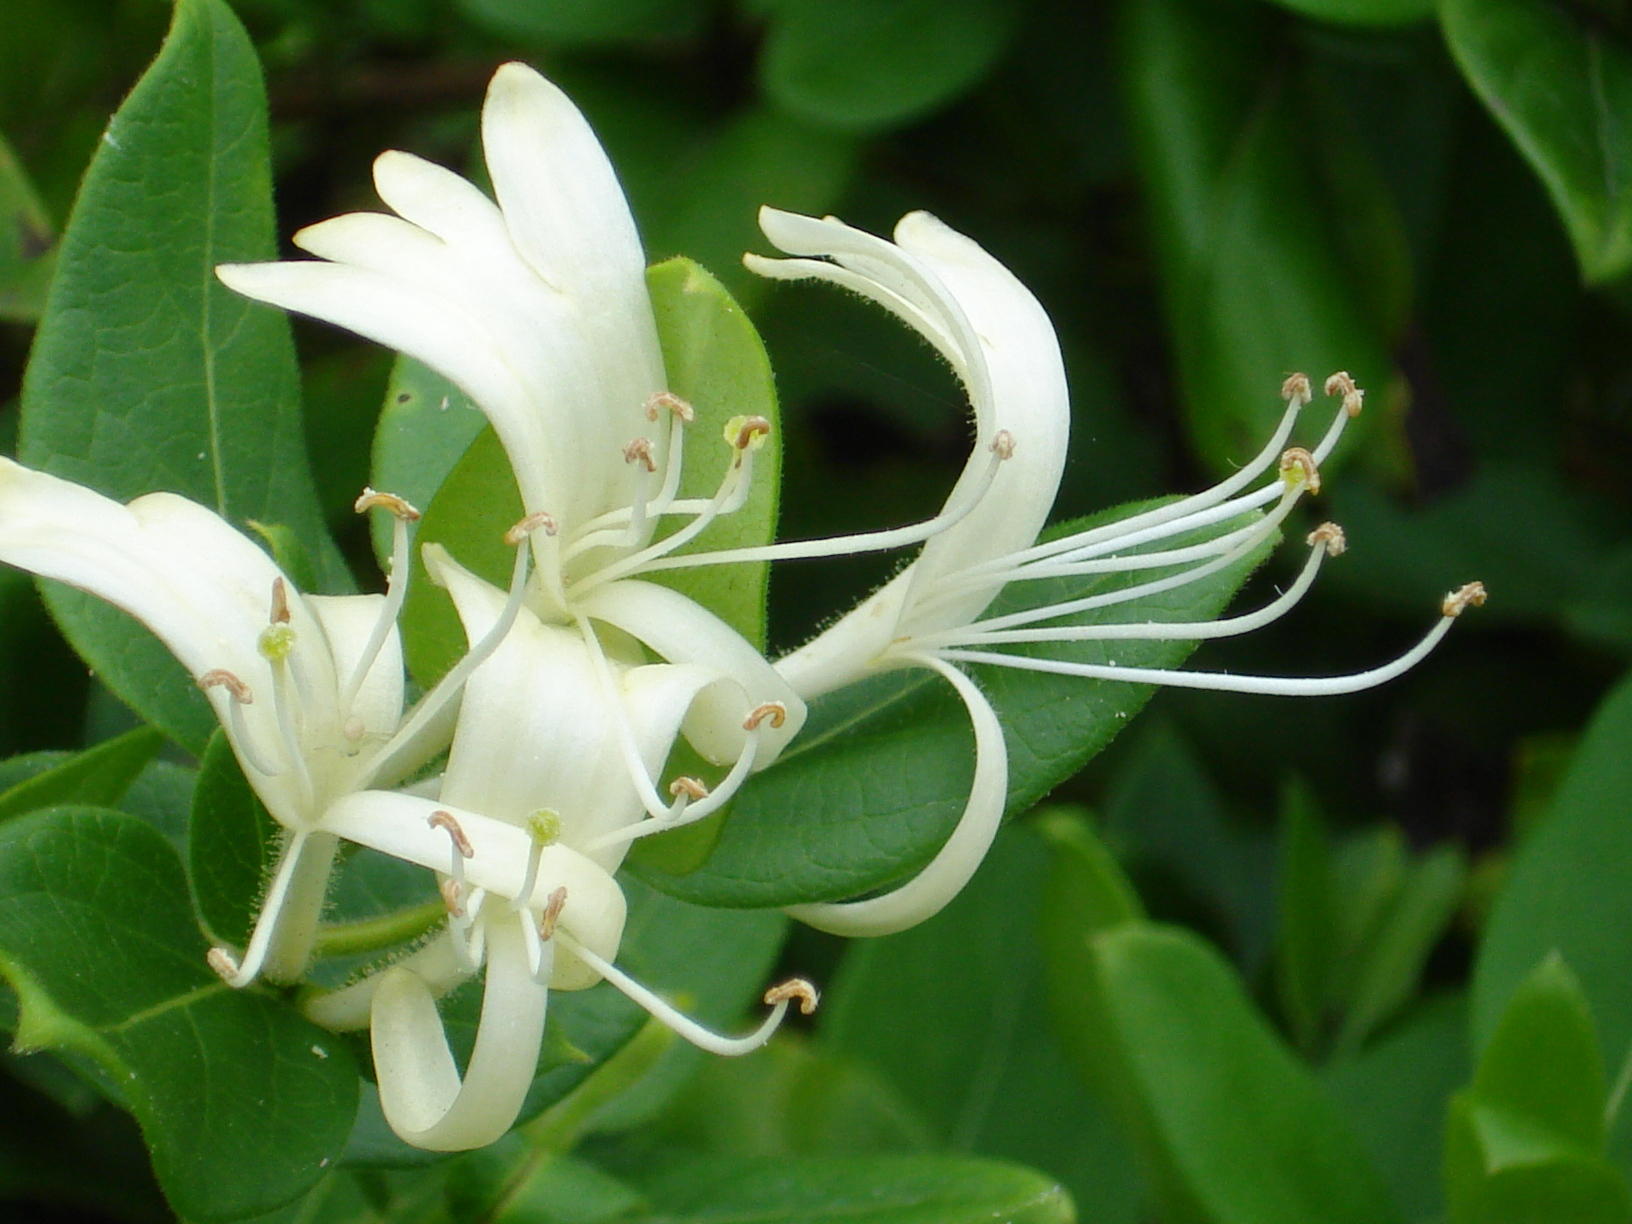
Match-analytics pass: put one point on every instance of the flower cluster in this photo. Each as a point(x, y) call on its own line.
point(547, 741)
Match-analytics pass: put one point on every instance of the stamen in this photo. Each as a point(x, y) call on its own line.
point(237, 725)
point(396, 589)
point(238, 690)
point(773, 710)
point(432, 705)
point(1473, 595)
point(453, 897)
point(794, 988)
point(682, 1024)
point(399, 507)
point(657, 556)
point(691, 788)
point(1331, 535)
point(1224, 682)
point(445, 821)
point(677, 407)
point(239, 974)
point(639, 450)
point(1298, 464)
point(525, 527)
point(635, 767)
point(1296, 387)
point(746, 433)
point(280, 602)
point(1296, 393)
point(552, 913)
point(1321, 542)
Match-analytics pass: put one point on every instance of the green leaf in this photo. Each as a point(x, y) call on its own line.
point(1307, 934)
point(869, 64)
point(1394, 1094)
point(715, 361)
point(1566, 890)
point(1546, 1024)
point(1392, 959)
point(1364, 12)
point(1561, 87)
point(953, 1015)
point(27, 242)
point(1233, 1127)
point(427, 424)
point(797, 1098)
point(146, 372)
point(97, 777)
point(1527, 1146)
point(848, 1190)
point(1279, 248)
point(877, 779)
point(241, 1102)
point(232, 846)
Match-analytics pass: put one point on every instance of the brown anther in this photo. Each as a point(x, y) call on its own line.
point(225, 679)
point(794, 988)
point(530, 524)
point(1304, 462)
point(1341, 384)
point(751, 428)
point(1353, 402)
point(280, 602)
point(1296, 387)
point(1473, 595)
point(773, 710)
point(222, 962)
point(453, 897)
point(373, 499)
point(692, 788)
point(444, 820)
point(1003, 444)
point(1331, 535)
point(551, 914)
point(640, 450)
point(668, 399)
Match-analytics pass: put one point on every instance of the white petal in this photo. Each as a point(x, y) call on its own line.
point(539, 730)
point(421, 1092)
point(682, 631)
point(348, 621)
point(182, 571)
point(439, 201)
point(568, 219)
point(398, 825)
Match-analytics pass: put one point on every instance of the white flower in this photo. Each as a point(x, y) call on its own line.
point(308, 688)
point(537, 808)
point(536, 306)
point(1002, 347)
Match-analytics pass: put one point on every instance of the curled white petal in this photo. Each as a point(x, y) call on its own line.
point(945, 875)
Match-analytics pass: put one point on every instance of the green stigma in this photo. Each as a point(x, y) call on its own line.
point(276, 642)
point(544, 827)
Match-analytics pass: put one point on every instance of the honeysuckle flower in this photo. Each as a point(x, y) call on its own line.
point(1002, 348)
point(535, 304)
point(538, 805)
point(308, 688)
